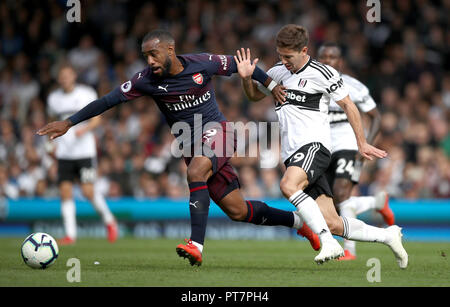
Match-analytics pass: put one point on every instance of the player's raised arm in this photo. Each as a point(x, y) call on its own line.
point(247, 71)
point(375, 125)
point(333, 86)
point(365, 149)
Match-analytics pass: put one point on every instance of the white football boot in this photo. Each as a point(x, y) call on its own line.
point(395, 243)
point(331, 249)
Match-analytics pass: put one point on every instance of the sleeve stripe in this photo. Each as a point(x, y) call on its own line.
point(318, 64)
point(321, 70)
point(326, 68)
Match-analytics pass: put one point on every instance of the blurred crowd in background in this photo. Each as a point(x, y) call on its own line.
point(404, 61)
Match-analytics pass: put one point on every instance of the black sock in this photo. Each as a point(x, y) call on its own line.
point(199, 208)
point(260, 213)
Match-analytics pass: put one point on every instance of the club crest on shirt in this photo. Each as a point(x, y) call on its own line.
point(198, 78)
point(302, 83)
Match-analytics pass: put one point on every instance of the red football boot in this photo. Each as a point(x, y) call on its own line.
point(313, 238)
point(112, 231)
point(386, 212)
point(66, 241)
point(347, 256)
point(191, 252)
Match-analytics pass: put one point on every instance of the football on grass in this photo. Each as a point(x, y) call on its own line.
point(39, 250)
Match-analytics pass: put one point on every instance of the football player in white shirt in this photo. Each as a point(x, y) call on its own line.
point(76, 154)
point(305, 142)
point(345, 167)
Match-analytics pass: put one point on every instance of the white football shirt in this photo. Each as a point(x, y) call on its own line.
point(303, 116)
point(62, 105)
point(342, 135)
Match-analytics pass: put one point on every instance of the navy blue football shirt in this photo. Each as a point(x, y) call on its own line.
point(190, 92)
point(180, 97)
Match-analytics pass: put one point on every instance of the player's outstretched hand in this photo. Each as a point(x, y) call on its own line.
point(244, 63)
point(369, 152)
point(55, 129)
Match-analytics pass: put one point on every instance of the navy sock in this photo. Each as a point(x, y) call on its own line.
point(260, 213)
point(198, 208)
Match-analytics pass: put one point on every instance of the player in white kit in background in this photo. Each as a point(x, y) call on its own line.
point(345, 167)
point(76, 154)
point(305, 142)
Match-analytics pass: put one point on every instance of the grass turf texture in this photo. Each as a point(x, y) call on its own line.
point(147, 262)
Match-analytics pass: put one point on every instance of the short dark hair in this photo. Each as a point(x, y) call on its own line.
point(293, 37)
point(66, 65)
point(331, 45)
point(162, 35)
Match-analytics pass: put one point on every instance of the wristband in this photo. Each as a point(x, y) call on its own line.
point(272, 84)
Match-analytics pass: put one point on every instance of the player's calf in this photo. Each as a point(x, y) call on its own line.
point(259, 213)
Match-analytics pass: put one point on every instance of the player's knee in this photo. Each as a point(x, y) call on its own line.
point(88, 190)
point(66, 191)
point(89, 195)
point(238, 215)
point(288, 188)
point(340, 194)
point(197, 174)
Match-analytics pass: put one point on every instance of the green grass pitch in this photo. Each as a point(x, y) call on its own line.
point(226, 263)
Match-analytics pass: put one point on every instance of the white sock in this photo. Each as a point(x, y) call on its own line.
point(357, 230)
point(199, 246)
point(298, 222)
point(348, 211)
point(68, 213)
point(350, 246)
point(102, 209)
point(310, 213)
point(360, 204)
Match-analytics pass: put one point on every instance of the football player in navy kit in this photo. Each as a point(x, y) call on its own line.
point(181, 87)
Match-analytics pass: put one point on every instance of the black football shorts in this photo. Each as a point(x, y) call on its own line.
point(314, 159)
point(83, 170)
point(343, 165)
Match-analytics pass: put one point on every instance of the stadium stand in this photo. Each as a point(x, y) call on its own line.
point(404, 60)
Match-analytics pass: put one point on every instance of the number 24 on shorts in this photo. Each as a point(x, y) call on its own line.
point(344, 166)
